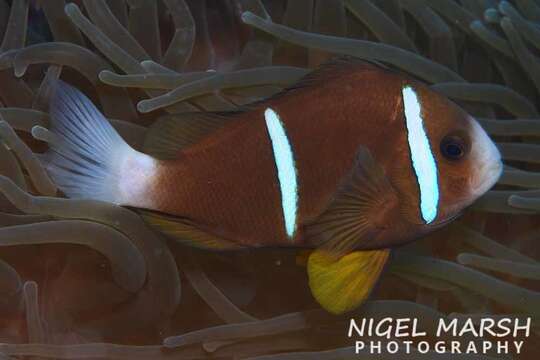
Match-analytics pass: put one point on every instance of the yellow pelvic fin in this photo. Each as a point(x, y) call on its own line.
point(342, 284)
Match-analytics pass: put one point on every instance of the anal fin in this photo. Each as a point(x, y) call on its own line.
point(187, 232)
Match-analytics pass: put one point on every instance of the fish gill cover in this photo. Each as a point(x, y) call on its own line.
point(84, 279)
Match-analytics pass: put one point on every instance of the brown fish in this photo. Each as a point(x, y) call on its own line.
point(352, 160)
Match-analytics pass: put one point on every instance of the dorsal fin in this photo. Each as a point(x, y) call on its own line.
point(172, 133)
point(340, 65)
point(336, 67)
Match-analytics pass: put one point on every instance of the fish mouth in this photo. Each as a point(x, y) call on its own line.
point(489, 174)
point(489, 163)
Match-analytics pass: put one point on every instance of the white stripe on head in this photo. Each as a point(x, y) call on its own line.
point(284, 158)
point(422, 158)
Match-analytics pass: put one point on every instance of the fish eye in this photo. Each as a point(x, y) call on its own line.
point(453, 147)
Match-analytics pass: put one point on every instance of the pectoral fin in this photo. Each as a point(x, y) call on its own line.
point(342, 284)
point(362, 207)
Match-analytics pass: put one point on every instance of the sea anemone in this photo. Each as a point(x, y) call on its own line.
point(85, 279)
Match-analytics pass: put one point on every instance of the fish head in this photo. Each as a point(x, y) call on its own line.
point(470, 165)
point(449, 161)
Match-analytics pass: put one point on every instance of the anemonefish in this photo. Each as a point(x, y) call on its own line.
point(351, 161)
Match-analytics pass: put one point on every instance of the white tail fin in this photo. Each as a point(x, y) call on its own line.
point(88, 159)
